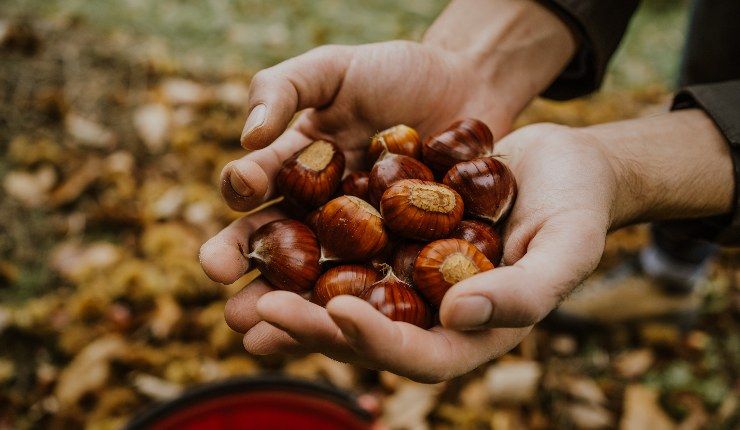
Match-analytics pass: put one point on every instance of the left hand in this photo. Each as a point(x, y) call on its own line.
point(554, 238)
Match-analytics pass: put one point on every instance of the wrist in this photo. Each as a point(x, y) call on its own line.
point(515, 49)
point(672, 166)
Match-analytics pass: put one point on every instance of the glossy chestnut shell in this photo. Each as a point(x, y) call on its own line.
point(404, 259)
point(312, 175)
point(485, 237)
point(462, 141)
point(486, 185)
point(443, 263)
point(400, 139)
point(355, 184)
point(350, 229)
point(421, 210)
point(287, 254)
point(398, 301)
point(391, 168)
point(350, 279)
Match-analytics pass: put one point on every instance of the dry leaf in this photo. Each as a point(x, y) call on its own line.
point(642, 411)
point(409, 406)
point(590, 416)
point(513, 381)
point(156, 388)
point(631, 364)
point(88, 132)
point(152, 124)
point(30, 188)
point(89, 370)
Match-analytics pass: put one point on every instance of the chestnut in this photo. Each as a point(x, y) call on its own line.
point(400, 139)
point(485, 237)
point(422, 210)
point(486, 186)
point(287, 254)
point(355, 184)
point(350, 229)
point(398, 301)
point(350, 279)
point(462, 141)
point(391, 168)
point(403, 260)
point(312, 175)
point(443, 263)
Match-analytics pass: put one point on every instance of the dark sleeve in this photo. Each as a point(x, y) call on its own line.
point(599, 25)
point(721, 101)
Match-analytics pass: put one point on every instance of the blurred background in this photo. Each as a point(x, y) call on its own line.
point(115, 120)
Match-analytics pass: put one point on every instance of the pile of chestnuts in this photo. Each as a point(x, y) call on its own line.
point(397, 235)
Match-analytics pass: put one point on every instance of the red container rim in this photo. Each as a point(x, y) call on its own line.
point(316, 404)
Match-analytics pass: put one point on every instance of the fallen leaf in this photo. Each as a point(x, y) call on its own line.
point(88, 132)
point(590, 416)
point(89, 370)
point(513, 381)
point(152, 124)
point(30, 188)
point(409, 406)
point(642, 410)
point(156, 388)
point(631, 364)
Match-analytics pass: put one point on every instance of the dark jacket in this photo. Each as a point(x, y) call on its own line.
point(710, 78)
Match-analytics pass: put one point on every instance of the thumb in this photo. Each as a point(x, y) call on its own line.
point(277, 93)
point(559, 256)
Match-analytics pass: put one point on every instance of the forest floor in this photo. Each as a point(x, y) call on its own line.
point(111, 143)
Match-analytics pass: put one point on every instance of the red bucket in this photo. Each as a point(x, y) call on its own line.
point(257, 403)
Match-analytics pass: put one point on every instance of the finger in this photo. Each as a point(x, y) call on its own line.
point(240, 311)
point(247, 182)
point(223, 256)
point(559, 256)
point(306, 322)
point(265, 339)
point(423, 355)
point(277, 93)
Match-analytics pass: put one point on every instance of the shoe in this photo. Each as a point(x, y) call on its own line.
point(644, 287)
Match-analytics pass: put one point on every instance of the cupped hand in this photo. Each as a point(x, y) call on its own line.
point(554, 238)
point(348, 93)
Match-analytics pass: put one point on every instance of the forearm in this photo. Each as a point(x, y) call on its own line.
point(675, 165)
point(516, 47)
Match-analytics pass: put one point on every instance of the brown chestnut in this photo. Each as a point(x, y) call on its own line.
point(350, 229)
point(443, 263)
point(398, 301)
point(421, 210)
point(312, 175)
point(312, 219)
point(485, 237)
point(350, 279)
point(391, 168)
point(355, 184)
point(486, 186)
point(403, 260)
point(400, 139)
point(287, 253)
point(462, 141)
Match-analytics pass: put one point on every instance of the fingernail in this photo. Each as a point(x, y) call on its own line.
point(470, 312)
point(256, 118)
point(239, 184)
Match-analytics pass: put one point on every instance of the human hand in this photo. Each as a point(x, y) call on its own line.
point(556, 229)
point(574, 186)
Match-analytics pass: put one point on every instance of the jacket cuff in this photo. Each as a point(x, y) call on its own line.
point(721, 102)
point(599, 25)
